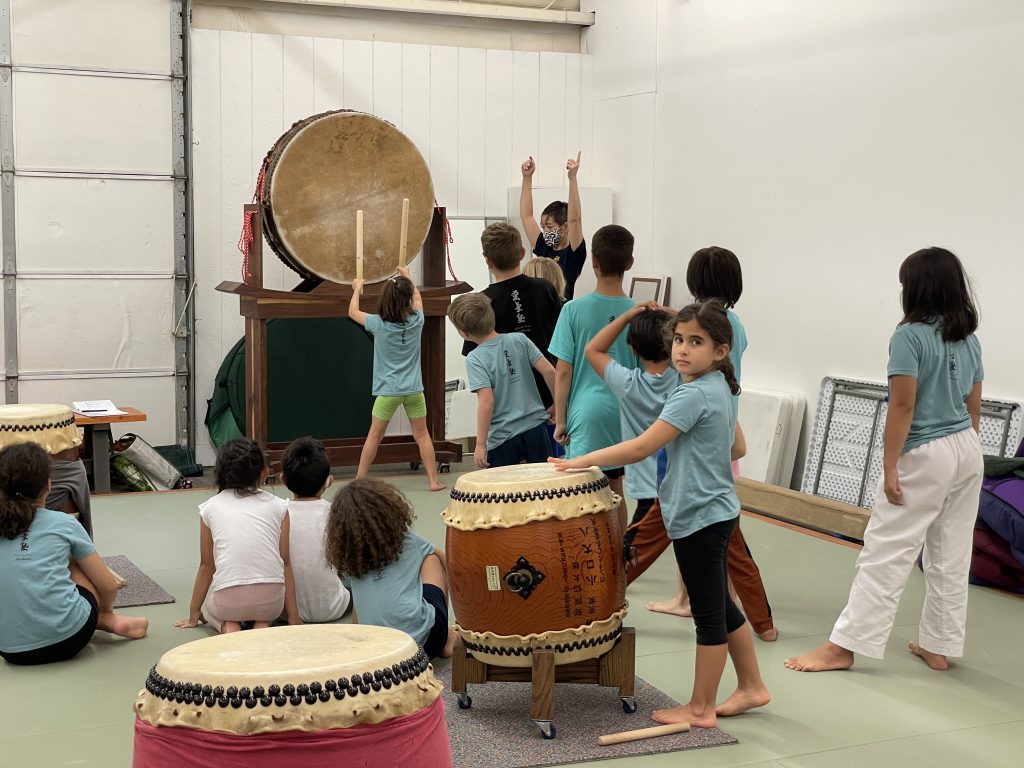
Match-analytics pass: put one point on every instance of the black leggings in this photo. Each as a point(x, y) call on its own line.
point(703, 565)
point(65, 649)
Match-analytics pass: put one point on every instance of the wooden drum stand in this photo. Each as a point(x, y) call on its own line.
point(614, 669)
point(320, 298)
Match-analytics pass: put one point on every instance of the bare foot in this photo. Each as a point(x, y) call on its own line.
point(769, 635)
point(449, 646)
point(828, 657)
point(437, 486)
point(684, 714)
point(673, 607)
point(230, 626)
point(934, 660)
point(132, 627)
point(743, 700)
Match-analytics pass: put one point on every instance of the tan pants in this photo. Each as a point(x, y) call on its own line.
point(941, 483)
point(246, 602)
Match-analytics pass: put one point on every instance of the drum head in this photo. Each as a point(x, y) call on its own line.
point(325, 169)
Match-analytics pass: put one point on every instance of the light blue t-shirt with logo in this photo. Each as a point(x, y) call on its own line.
point(39, 603)
point(641, 397)
point(505, 365)
point(698, 489)
point(396, 355)
point(946, 371)
point(593, 412)
point(393, 596)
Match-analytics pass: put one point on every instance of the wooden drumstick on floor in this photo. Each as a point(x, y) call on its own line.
point(403, 242)
point(359, 245)
point(642, 733)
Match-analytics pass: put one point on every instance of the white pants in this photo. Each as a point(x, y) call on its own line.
point(941, 483)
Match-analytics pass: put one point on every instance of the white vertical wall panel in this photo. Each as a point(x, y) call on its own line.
point(106, 123)
point(573, 96)
point(153, 395)
point(328, 59)
point(387, 82)
point(267, 126)
point(471, 137)
point(238, 175)
point(206, 158)
point(416, 98)
point(551, 103)
point(525, 108)
point(444, 128)
point(123, 324)
point(48, 32)
point(473, 114)
point(299, 76)
point(501, 168)
point(358, 72)
point(94, 225)
point(627, 167)
point(587, 119)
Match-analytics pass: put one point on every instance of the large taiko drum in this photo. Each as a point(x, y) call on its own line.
point(49, 425)
point(324, 169)
point(312, 695)
point(535, 561)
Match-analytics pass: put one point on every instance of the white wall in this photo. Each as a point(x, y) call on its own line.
point(473, 114)
point(94, 238)
point(823, 143)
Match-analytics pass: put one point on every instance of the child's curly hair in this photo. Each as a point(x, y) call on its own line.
point(366, 528)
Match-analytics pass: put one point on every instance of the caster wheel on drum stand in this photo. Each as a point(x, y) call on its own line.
point(444, 469)
point(629, 705)
point(414, 465)
point(547, 729)
point(465, 701)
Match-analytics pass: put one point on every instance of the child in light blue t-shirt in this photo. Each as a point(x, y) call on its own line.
point(397, 380)
point(511, 418)
point(586, 412)
point(55, 590)
point(641, 392)
point(397, 578)
point(932, 467)
point(697, 427)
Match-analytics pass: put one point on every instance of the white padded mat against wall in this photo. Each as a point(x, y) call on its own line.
point(844, 452)
point(771, 425)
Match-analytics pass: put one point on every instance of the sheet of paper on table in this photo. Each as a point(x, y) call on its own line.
point(96, 408)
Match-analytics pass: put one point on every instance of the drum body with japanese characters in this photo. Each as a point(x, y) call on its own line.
point(535, 561)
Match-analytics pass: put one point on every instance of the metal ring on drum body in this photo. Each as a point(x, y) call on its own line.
point(324, 169)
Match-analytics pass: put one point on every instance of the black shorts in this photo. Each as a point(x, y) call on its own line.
point(65, 649)
point(614, 474)
point(438, 636)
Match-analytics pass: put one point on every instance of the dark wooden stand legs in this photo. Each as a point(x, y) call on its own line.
point(614, 669)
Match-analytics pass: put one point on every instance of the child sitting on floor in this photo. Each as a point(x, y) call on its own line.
point(306, 472)
point(55, 590)
point(243, 547)
point(398, 578)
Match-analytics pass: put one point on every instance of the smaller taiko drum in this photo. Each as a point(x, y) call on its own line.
point(535, 562)
point(48, 425)
point(312, 695)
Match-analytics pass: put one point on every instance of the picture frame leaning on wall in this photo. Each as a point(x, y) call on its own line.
point(650, 288)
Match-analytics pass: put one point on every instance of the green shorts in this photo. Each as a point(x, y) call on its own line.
point(415, 405)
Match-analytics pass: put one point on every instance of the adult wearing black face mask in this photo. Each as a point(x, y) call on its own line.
point(559, 236)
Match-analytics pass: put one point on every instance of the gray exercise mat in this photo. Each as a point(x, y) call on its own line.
point(140, 589)
point(497, 732)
